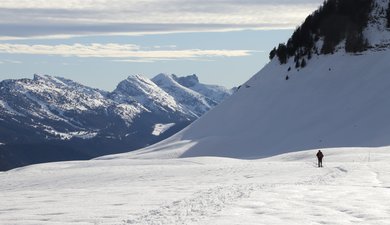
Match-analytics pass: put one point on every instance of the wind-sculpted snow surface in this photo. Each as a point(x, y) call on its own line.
point(353, 187)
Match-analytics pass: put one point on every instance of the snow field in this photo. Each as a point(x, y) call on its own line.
point(161, 128)
point(352, 188)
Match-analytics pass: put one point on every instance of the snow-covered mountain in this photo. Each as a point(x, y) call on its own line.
point(193, 101)
point(339, 96)
point(213, 92)
point(51, 118)
point(147, 94)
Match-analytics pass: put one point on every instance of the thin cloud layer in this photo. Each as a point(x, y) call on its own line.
point(26, 18)
point(127, 52)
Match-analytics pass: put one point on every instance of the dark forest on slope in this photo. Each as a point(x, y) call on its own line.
point(334, 21)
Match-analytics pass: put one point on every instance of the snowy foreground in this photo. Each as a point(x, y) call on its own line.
point(352, 188)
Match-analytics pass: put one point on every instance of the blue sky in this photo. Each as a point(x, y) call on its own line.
point(100, 42)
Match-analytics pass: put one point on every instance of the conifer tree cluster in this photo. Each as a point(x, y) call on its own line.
point(333, 22)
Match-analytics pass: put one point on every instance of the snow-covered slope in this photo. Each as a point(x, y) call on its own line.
point(377, 31)
point(352, 188)
point(337, 100)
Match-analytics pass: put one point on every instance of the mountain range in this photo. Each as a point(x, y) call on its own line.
point(52, 118)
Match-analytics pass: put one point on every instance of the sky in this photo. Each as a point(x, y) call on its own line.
point(100, 42)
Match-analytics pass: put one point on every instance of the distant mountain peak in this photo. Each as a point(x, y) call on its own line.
point(163, 78)
point(139, 79)
point(187, 81)
point(38, 77)
point(45, 77)
point(134, 84)
point(193, 101)
point(135, 77)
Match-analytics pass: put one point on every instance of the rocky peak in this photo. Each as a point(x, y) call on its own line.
point(187, 81)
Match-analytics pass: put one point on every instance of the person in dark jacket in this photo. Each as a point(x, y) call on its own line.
point(319, 157)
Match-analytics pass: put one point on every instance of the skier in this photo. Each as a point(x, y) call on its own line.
point(319, 157)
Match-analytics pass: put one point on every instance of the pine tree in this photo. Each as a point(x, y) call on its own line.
point(297, 64)
point(272, 54)
point(355, 42)
point(309, 55)
point(303, 63)
point(281, 52)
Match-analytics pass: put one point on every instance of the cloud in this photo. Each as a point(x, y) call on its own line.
point(10, 61)
point(126, 52)
point(26, 18)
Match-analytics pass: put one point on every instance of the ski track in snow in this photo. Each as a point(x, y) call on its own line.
point(344, 195)
point(193, 209)
point(204, 204)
